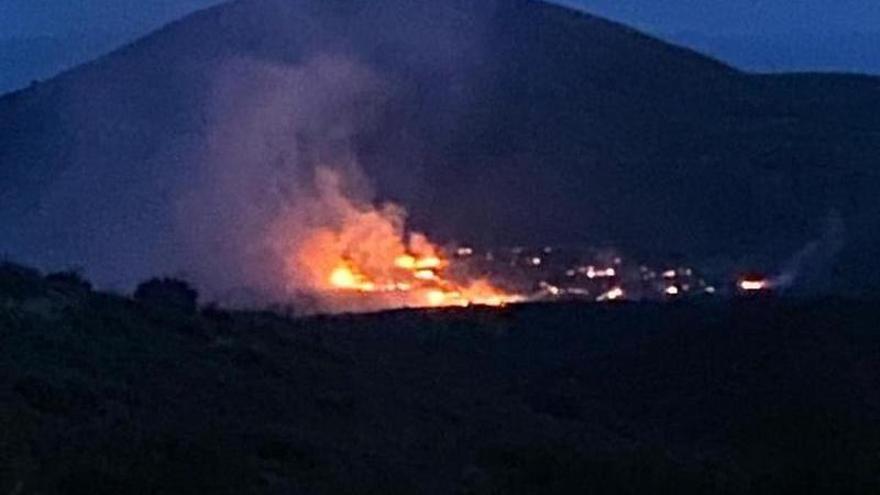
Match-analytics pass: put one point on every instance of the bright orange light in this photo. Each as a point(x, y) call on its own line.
point(753, 285)
point(492, 301)
point(435, 297)
point(363, 258)
point(612, 295)
point(425, 275)
point(405, 261)
point(343, 278)
point(430, 262)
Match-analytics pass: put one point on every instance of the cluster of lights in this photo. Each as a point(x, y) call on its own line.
point(614, 294)
point(592, 272)
point(464, 252)
point(423, 277)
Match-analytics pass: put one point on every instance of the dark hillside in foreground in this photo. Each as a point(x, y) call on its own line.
point(100, 394)
point(580, 129)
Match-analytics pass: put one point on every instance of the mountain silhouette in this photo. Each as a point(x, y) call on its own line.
point(502, 122)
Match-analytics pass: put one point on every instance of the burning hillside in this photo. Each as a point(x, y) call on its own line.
point(281, 209)
point(363, 258)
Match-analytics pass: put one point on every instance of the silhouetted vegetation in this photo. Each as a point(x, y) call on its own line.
point(741, 397)
point(72, 280)
point(168, 293)
point(17, 281)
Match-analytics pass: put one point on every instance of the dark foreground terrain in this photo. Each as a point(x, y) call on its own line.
point(104, 394)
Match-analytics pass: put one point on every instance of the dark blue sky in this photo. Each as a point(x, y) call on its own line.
point(25, 18)
point(28, 17)
point(757, 17)
point(763, 35)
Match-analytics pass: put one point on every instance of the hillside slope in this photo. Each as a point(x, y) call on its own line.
point(103, 394)
point(500, 122)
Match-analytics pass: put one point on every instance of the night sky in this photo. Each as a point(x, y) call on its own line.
point(753, 17)
point(758, 17)
point(26, 18)
point(761, 35)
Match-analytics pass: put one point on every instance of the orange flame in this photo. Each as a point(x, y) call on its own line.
point(364, 259)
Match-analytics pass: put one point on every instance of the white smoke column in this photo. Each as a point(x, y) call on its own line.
point(269, 127)
point(816, 257)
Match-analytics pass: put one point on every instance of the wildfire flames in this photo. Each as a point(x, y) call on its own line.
point(362, 258)
point(420, 283)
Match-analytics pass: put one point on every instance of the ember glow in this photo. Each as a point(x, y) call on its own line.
point(343, 252)
point(753, 285)
point(415, 282)
point(614, 294)
point(363, 258)
point(592, 272)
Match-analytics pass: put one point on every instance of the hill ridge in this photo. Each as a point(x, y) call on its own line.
point(651, 146)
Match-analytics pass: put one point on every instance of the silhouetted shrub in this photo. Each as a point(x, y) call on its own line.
point(69, 280)
point(52, 398)
point(299, 457)
point(168, 293)
point(90, 481)
point(562, 469)
point(217, 314)
point(19, 282)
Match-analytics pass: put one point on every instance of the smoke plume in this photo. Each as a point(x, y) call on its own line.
point(278, 164)
point(807, 270)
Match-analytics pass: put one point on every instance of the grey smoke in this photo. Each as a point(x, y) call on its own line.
point(808, 270)
point(270, 126)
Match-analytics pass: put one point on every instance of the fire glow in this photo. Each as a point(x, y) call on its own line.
point(362, 258)
point(753, 285)
point(417, 282)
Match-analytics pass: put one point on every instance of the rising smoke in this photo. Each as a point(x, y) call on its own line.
point(276, 133)
point(281, 207)
point(205, 167)
point(807, 270)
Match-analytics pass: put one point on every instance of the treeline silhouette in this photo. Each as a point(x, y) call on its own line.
point(105, 393)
